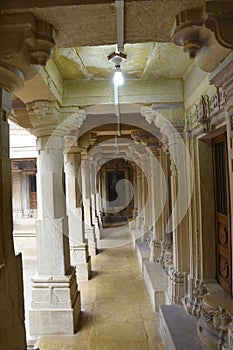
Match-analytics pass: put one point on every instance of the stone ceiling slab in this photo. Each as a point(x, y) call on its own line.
point(84, 23)
point(144, 60)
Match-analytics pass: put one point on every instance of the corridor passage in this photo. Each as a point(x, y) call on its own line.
point(116, 312)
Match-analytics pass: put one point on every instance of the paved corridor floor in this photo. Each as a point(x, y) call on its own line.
point(116, 312)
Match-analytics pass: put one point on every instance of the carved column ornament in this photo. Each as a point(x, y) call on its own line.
point(24, 41)
point(47, 117)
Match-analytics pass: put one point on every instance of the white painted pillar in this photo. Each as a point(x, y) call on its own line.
point(78, 245)
point(55, 298)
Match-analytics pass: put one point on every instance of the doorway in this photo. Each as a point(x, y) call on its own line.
point(222, 212)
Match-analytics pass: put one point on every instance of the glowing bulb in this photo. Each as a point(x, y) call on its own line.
point(118, 77)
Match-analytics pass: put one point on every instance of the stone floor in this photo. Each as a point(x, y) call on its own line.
point(116, 312)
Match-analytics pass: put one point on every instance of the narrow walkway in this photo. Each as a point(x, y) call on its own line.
point(116, 312)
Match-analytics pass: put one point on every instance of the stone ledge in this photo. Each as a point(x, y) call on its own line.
point(178, 329)
point(156, 284)
point(143, 252)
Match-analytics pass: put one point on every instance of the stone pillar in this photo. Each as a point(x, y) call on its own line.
point(135, 186)
point(146, 196)
point(79, 248)
point(17, 193)
point(33, 48)
point(55, 298)
point(179, 196)
point(25, 195)
point(98, 200)
point(93, 180)
point(104, 196)
point(140, 217)
point(180, 225)
point(11, 285)
point(86, 195)
point(155, 243)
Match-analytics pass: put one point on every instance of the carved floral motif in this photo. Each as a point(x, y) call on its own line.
point(223, 267)
point(193, 300)
point(215, 325)
point(222, 235)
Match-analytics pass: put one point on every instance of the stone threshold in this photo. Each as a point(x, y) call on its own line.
point(178, 329)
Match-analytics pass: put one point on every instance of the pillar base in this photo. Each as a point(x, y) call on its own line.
point(97, 228)
point(81, 260)
point(83, 271)
point(55, 305)
point(215, 323)
point(92, 246)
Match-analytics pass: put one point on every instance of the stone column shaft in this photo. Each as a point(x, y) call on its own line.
point(54, 290)
point(95, 219)
point(17, 193)
point(86, 194)
point(79, 248)
point(181, 258)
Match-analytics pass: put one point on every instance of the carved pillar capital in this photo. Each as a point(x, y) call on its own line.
point(24, 42)
point(43, 118)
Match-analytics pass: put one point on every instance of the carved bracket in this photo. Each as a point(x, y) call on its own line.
point(193, 30)
point(24, 41)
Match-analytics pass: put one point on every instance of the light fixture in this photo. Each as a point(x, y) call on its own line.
point(117, 58)
point(118, 78)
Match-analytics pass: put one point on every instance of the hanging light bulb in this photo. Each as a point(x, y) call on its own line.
point(118, 76)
